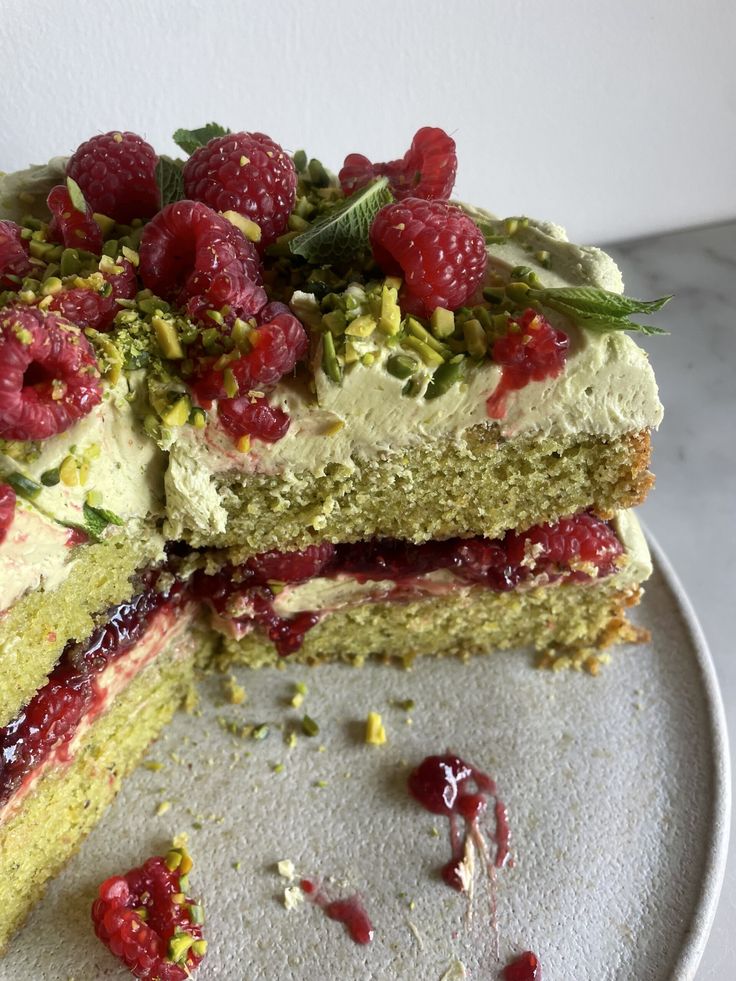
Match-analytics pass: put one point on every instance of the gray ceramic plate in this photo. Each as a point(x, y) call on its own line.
point(618, 797)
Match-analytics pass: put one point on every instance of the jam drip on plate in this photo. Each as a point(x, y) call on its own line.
point(448, 785)
point(49, 721)
point(349, 911)
point(525, 967)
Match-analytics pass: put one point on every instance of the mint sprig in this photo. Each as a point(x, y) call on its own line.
point(170, 180)
point(598, 310)
point(342, 233)
point(97, 519)
point(191, 139)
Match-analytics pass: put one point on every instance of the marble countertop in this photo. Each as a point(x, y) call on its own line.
point(692, 510)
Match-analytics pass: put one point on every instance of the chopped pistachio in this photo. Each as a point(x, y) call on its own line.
point(476, 338)
point(517, 292)
point(163, 807)
point(250, 229)
point(50, 478)
point(418, 330)
point(375, 732)
point(309, 726)
point(442, 322)
point(330, 364)
point(362, 326)
point(335, 321)
point(179, 946)
point(389, 321)
point(260, 732)
point(242, 444)
point(401, 366)
point(23, 485)
point(544, 258)
point(168, 339)
point(425, 352)
point(199, 947)
point(69, 472)
point(444, 377)
point(178, 413)
point(198, 418)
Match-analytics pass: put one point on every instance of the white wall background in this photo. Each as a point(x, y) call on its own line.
point(614, 117)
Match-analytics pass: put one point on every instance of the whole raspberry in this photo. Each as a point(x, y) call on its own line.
point(242, 416)
point(75, 229)
point(247, 173)
point(427, 169)
point(197, 258)
point(276, 348)
point(439, 251)
point(7, 510)
point(48, 374)
point(145, 919)
point(96, 305)
point(532, 351)
point(583, 544)
point(117, 174)
point(291, 566)
point(14, 258)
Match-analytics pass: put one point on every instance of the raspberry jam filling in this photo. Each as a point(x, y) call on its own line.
point(74, 689)
point(576, 549)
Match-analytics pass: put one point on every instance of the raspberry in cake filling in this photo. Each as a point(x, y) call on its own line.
point(272, 592)
point(86, 680)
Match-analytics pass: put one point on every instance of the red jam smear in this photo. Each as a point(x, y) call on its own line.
point(533, 350)
point(449, 786)
point(349, 911)
point(573, 549)
point(525, 967)
point(49, 721)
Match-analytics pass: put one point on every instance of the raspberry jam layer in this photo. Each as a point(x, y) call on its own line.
point(85, 680)
point(582, 548)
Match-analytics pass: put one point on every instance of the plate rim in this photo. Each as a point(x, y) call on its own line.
point(699, 927)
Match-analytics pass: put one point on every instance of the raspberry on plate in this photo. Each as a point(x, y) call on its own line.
point(48, 374)
point(532, 351)
point(247, 173)
point(71, 225)
point(438, 250)
point(117, 174)
point(146, 919)
point(14, 257)
point(427, 169)
point(190, 253)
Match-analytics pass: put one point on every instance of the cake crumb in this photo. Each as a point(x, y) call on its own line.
point(285, 868)
point(375, 732)
point(153, 765)
point(234, 693)
point(180, 840)
point(163, 807)
point(455, 972)
point(292, 897)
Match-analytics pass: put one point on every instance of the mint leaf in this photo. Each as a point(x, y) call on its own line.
point(601, 323)
point(596, 309)
point(170, 180)
point(588, 299)
point(191, 139)
point(75, 195)
point(97, 519)
point(343, 232)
